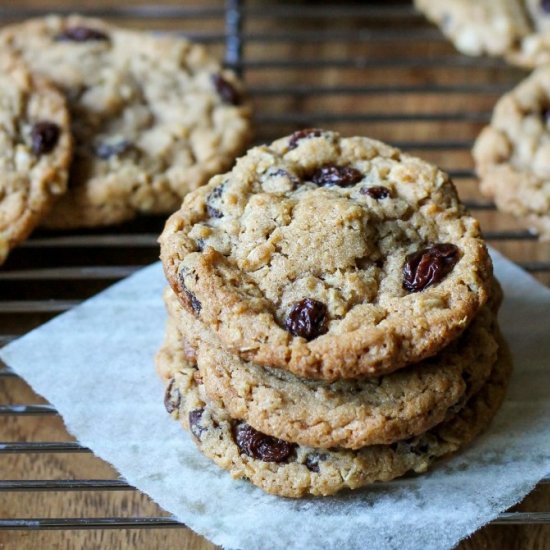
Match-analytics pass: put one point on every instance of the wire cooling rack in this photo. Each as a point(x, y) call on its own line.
point(373, 69)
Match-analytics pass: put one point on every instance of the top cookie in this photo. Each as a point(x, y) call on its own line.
point(153, 117)
point(516, 29)
point(35, 150)
point(329, 257)
point(512, 154)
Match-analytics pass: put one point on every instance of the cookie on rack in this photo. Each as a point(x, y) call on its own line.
point(329, 257)
point(291, 470)
point(518, 30)
point(533, 49)
point(348, 414)
point(512, 154)
point(479, 26)
point(153, 117)
point(35, 150)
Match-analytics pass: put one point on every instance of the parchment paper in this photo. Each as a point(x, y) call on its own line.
point(95, 365)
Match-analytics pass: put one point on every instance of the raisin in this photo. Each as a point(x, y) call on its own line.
point(312, 462)
point(216, 194)
point(226, 90)
point(195, 417)
point(172, 397)
point(307, 318)
point(302, 134)
point(429, 266)
point(81, 34)
point(343, 176)
point(193, 300)
point(108, 150)
point(378, 192)
point(261, 446)
point(44, 137)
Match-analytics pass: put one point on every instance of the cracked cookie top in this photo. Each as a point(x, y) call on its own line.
point(153, 116)
point(330, 257)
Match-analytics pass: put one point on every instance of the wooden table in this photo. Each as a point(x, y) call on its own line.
point(379, 71)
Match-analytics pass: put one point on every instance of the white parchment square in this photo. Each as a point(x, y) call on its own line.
point(95, 365)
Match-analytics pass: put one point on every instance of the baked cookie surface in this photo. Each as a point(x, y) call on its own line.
point(348, 414)
point(519, 30)
point(35, 150)
point(153, 117)
point(330, 257)
point(512, 154)
point(287, 469)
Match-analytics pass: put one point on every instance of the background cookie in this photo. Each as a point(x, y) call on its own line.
point(349, 414)
point(512, 154)
point(329, 257)
point(519, 30)
point(153, 117)
point(291, 470)
point(35, 150)
point(478, 26)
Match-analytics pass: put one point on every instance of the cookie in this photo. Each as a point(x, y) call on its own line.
point(533, 49)
point(512, 154)
point(35, 145)
point(349, 414)
point(153, 117)
point(479, 26)
point(330, 257)
point(290, 470)
point(518, 30)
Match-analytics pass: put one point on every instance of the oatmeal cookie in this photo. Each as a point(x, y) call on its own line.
point(330, 257)
point(518, 30)
point(512, 154)
point(479, 26)
point(35, 150)
point(153, 117)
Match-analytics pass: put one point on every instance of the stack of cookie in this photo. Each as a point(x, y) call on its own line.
point(151, 118)
point(332, 316)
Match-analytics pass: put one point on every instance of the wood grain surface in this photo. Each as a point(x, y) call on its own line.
point(350, 72)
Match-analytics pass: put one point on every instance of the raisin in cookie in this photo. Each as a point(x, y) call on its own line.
point(512, 154)
point(153, 117)
point(349, 414)
point(330, 257)
point(35, 150)
point(287, 469)
point(518, 30)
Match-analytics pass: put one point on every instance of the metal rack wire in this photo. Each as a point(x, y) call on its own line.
point(51, 273)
